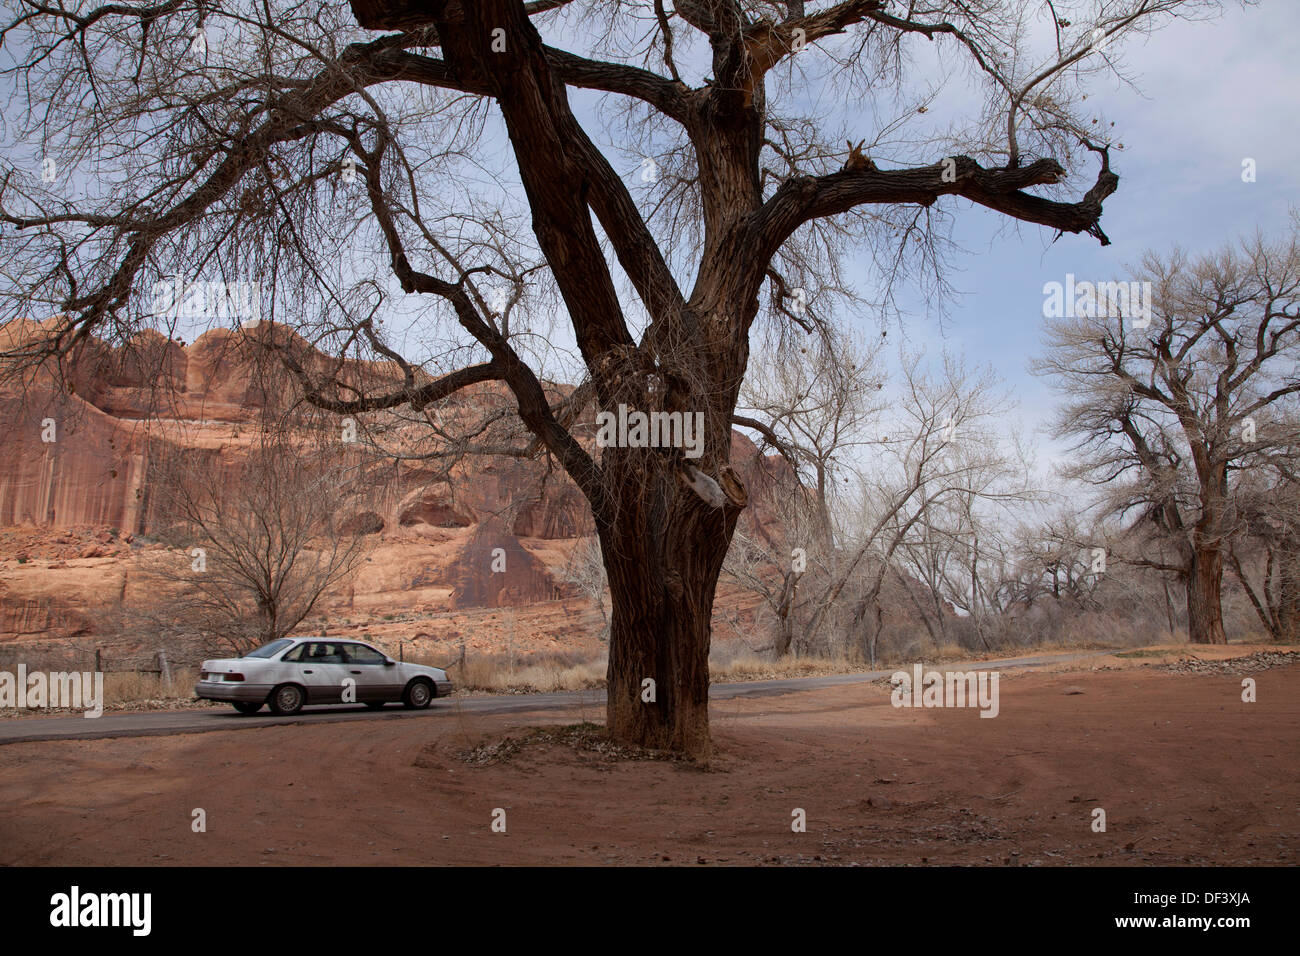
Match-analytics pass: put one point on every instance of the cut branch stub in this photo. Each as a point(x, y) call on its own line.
point(733, 487)
point(703, 485)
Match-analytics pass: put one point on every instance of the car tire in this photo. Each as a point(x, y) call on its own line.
point(248, 706)
point(375, 704)
point(419, 694)
point(287, 699)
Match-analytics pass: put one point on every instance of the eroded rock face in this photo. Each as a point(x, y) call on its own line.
point(433, 506)
point(364, 522)
point(494, 570)
point(561, 514)
point(38, 617)
point(122, 411)
point(68, 464)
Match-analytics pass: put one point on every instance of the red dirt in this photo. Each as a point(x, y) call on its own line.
point(1187, 774)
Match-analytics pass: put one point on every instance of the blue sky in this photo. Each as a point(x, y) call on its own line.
point(1201, 96)
point(1209, 94)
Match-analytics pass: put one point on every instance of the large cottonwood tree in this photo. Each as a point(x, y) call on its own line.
point(1178, 417)
point(334, 154)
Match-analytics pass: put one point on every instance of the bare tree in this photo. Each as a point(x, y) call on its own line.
point(1167, 417)
point(585, 569)
point(1056, 558)
point(284, 146)
point(931, 446)
point(1265, 559)
point(815, 412)
point(775, 569)
point(261, 537)
point(941, 452)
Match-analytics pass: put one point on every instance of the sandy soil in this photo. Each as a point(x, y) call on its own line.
point(1187, 773)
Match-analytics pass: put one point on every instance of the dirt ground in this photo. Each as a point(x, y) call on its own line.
point(1187, 773)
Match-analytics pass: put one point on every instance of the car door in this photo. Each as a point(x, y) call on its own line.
point(321, 668)
point(375, 679)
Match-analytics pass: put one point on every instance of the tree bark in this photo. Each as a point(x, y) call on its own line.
point(663, 555)
point(1288, 593)
point(1204, 597)
point(1169, 606)
point(784, 613)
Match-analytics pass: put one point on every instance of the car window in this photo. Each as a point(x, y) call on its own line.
point(360, 654)
point(317, 652)
point(270, 650)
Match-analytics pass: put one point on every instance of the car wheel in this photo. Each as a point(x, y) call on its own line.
point(375, 704)
point(248, 706)
point(418, 694)
point(287, 699)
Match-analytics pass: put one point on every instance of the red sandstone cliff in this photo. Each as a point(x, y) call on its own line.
point(77, 498)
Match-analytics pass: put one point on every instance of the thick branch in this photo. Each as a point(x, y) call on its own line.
point(806, 198)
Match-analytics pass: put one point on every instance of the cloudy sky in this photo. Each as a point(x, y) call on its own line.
point(1198, 97)
point(1209, 94)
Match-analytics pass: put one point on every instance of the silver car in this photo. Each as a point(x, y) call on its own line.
point(293, 671)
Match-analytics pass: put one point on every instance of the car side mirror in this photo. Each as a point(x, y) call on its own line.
point(389, 662)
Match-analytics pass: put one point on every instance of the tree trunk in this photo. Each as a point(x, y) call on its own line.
point(663, 554)
point(784, 614)
point(1169, 607)
point(876, 632)
point(1204, 598)
point(1288, 592)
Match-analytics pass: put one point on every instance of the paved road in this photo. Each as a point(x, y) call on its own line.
point(161, 723)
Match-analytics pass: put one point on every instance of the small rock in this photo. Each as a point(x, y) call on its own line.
point(1072, 689)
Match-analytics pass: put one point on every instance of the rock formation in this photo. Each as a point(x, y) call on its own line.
point(78, 492)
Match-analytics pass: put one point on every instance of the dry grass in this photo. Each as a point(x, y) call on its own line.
point(495, 674)
point(751, 666)
point(129, 686)
point(541, 674)
point(136, 691)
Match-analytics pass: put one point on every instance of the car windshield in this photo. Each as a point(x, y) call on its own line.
point(270, 650)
